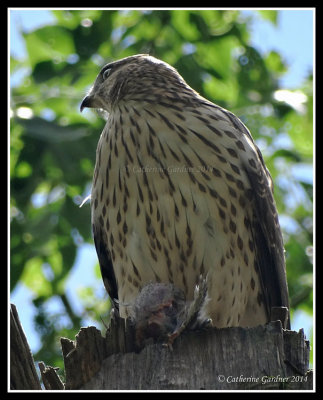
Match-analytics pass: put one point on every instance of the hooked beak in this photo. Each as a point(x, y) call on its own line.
point(87, 102)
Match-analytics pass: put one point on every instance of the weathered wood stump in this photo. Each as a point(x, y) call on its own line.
point(265, 357)
point(261, 358)
point(23, 375)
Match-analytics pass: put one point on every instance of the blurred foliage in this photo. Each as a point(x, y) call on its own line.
point(53, 145)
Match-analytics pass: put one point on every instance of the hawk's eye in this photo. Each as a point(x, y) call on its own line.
point(106, 73)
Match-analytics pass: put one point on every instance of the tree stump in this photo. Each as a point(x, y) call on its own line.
point(262, 358)
point(23, 375)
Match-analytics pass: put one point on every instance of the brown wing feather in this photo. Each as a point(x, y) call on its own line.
point(268, 239)
point(106, 265)
point(266, 230)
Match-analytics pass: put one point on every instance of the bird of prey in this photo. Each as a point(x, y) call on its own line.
point(181, 191)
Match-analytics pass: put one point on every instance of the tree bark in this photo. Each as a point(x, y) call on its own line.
point(263, 358)
point(23, 375)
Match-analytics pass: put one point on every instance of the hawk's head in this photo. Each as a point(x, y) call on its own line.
point(133, 78)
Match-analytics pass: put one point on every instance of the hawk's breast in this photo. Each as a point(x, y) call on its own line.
point(174, 203)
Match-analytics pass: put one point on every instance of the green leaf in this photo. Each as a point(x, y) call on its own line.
point(41, 129)
point(44, 71)
point(275, 63)
point(182, 24)
point(287, 155)
point(34, 279)
point(270, 15)
point(14, 64)
point(23, 170)
point(53, 43)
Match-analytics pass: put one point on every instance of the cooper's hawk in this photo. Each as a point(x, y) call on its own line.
point(180, 190)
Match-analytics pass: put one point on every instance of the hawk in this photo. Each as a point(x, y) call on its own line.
point(181, 191)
